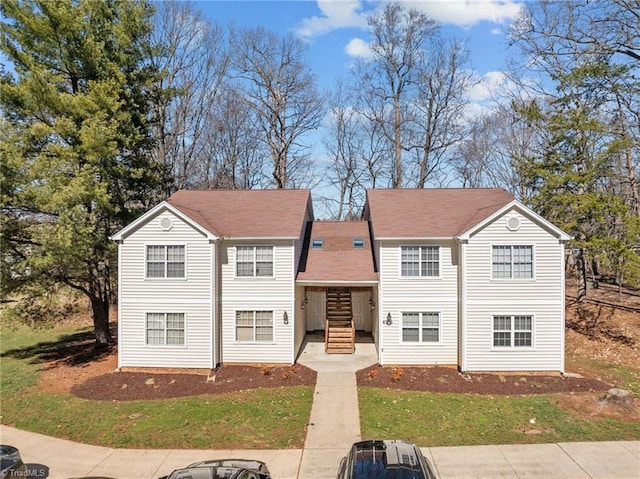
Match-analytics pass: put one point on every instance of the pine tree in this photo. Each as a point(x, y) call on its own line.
point(75, 142)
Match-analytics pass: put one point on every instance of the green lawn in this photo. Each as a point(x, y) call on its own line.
point(277, 418)
point(265, 419)
point(431, 419)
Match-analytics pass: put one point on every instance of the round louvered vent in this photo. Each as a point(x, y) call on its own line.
point(513, 223)
point(166, 224)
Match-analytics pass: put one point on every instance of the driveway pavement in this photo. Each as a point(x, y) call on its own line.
point(334, 426)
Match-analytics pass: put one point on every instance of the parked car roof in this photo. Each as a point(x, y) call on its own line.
point(222, 469)
point(385, 459)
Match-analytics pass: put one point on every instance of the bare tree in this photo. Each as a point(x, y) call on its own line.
point(345, 145)
point(234, 156)
point(443, 80)
point(389, 79)
point(193, 56)
point(274, 79)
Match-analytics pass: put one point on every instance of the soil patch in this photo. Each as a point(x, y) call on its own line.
point(449, 380)
point(134, 386)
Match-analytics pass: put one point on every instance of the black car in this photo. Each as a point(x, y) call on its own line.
point(11, 464)
point(385, 460)
point(222, 469)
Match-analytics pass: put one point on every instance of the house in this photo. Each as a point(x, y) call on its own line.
point(463, 277)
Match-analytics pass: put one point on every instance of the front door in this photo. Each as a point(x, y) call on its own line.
point(361, 310)
point(316, 310)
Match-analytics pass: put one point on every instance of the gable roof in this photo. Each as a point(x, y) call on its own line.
point(237, 213)
point(515, 205)
point(337, 260)
point(246, 213)
point(432, 212)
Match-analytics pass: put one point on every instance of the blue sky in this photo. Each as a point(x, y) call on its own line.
point(336, 30)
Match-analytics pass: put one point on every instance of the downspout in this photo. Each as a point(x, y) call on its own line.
point(120, 243)
point(462, 305)
point(562, 305)
point(214, 315)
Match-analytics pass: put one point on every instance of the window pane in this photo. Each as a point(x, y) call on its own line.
point(502, 323)
point(155, 328)
point(264, 326)
point(430, 269)
point(430, 320)
point(411, 327)
point(264, 269)
point(244, 333)
point(522, 254)
point(264, 253)
point(245, 253)
point(501, 262)
point(175, 337)
point(175, 254)
point(430, 253)
point(430, 335)
point(522, 323)
point(501, 339)
point(244, 325)
point(155, 253)
point(244, 269)
point(155, 270)
point(410, 261)
point(175, 270)
point(522, 339)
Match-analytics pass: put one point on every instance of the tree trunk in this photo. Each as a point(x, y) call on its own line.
point(397, 183)
point(581, 268)
point(100, 309)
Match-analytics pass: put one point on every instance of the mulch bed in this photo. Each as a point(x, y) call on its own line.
point(133, 386)
point(449, 380)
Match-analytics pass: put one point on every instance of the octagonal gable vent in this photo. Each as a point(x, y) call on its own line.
point(513, 223)
point(166, 224)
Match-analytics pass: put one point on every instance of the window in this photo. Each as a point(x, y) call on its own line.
point(254, 261)
point(420, 261)
point(165, 329)
point(513, 331)
point(421, 327)
point(165, 261)
point(513, 262)
point(358, 242)
point(317, 243)
point(254, 325)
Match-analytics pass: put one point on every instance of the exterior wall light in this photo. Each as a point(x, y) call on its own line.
point(304, 302)
point(285, 318)
point(388, 321)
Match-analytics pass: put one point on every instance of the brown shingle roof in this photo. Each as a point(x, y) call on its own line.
point(433, 212)
point(246, 213)
point(338, 260)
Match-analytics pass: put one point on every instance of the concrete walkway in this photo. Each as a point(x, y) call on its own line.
point(334, 425)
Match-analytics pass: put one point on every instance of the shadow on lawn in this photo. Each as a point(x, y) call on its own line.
point(71, 349)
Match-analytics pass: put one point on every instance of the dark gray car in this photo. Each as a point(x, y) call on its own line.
point(385, 460)
point(11, 464)
point(222, 469)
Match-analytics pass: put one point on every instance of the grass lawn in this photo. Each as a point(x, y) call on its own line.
point(265, 419)
point(431, 419)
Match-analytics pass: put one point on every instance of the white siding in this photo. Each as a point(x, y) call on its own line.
point(191, 295)
point(541, 297)
point(258, 294)
point(418, 294)
point(300, 329)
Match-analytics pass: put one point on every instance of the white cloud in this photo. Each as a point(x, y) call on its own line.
point(466, 13)
point(335, 14)
point(358, 48)
point(489, 85)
